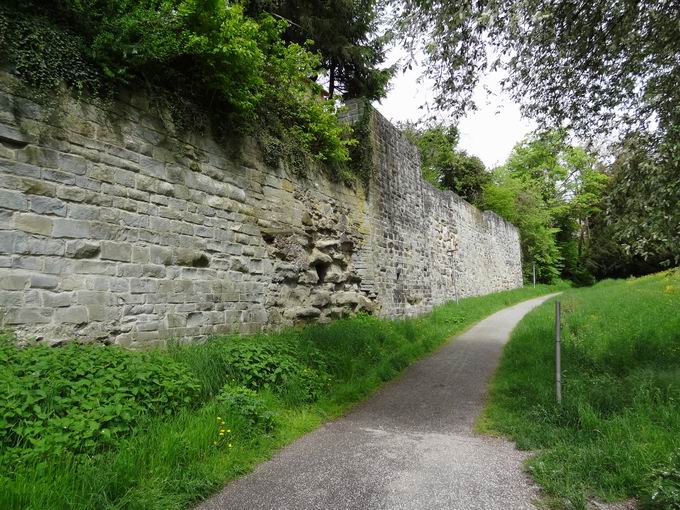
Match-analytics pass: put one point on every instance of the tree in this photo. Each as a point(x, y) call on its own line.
point(443, 165)
point(643, 199)
point(550, 190)
point(236, 69)
point(344, 33)
point(588, 63)
point(519, 200)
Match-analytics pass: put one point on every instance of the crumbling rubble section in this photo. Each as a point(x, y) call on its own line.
point(314, 274)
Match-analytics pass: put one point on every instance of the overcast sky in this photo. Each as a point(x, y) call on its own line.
point(489, 133)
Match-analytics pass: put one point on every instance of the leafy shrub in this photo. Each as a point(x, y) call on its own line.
point(269, 365)
point(249, 405)
point(665, 485)
point(237, 67)
point(77, 398)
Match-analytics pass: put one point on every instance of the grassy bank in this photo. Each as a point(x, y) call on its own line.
point(615, 435)
point(98, 427)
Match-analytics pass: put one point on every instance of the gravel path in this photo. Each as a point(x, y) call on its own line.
point(409, 446)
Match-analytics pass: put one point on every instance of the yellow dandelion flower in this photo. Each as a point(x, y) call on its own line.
point(221, 433)
point(229, 445)
point(228, 430)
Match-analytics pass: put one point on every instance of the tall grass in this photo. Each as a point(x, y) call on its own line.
point(171, 462)
point(620, 417)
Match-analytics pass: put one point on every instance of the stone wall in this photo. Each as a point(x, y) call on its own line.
point(114, 228)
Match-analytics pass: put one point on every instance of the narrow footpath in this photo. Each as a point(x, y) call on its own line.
point(409, 446)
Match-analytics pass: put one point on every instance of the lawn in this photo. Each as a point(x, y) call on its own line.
point(616, 435)
point(84, 427)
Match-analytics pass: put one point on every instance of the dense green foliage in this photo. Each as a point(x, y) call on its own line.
point(642, 200)
point(606, 70)
point(78, 399)
point(445, 166)
point(619, 423)
point(297, 379)
point(249, 405)
point(344, 33)
point(235, 68)
point(551, 191)
point(595, 64)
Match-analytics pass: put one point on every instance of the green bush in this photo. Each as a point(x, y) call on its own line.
point(77, 398)
point(274, 366)
point(236, 67)
point(287, 366)
point(246, 403)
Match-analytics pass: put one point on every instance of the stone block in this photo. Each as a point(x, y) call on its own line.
point(28, 245)
point(72, 228)
point(44, 281)
point(83, 212)
point(76, 194)
point(320, 298)
point(47, 205)
point(160, 255)
point(28, 262)
point(140, 254)
point(71, 315)
point(11, 299)
point(99, 313)
point(256, 315)
point(73, 164)
point(143, 286)
point(94, 297)
point(190, 258)
point(302, 312)
point(318, 257)
point(101, 267)
point(33, 223)
point(13, 200)
point(15, 281)
point(57, 299)
point(58, 266)
point(58, 176)
point(7, 240)
point(153, 271)
point(39, 156)
point(116, 251)
point(28, 315)
point(82, 249)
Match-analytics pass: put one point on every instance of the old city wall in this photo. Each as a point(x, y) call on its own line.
point(115, 228)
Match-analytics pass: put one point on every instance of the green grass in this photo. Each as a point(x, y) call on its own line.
point(172, 461)
point(620, 418)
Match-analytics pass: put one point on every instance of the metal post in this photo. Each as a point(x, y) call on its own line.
point(558, 361)
point(533, 272)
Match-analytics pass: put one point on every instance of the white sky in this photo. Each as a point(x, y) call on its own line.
point(489, 133)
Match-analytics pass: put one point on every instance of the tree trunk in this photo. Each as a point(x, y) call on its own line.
point(331, 81)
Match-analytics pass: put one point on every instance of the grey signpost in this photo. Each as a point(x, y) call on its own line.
point(558, 361)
